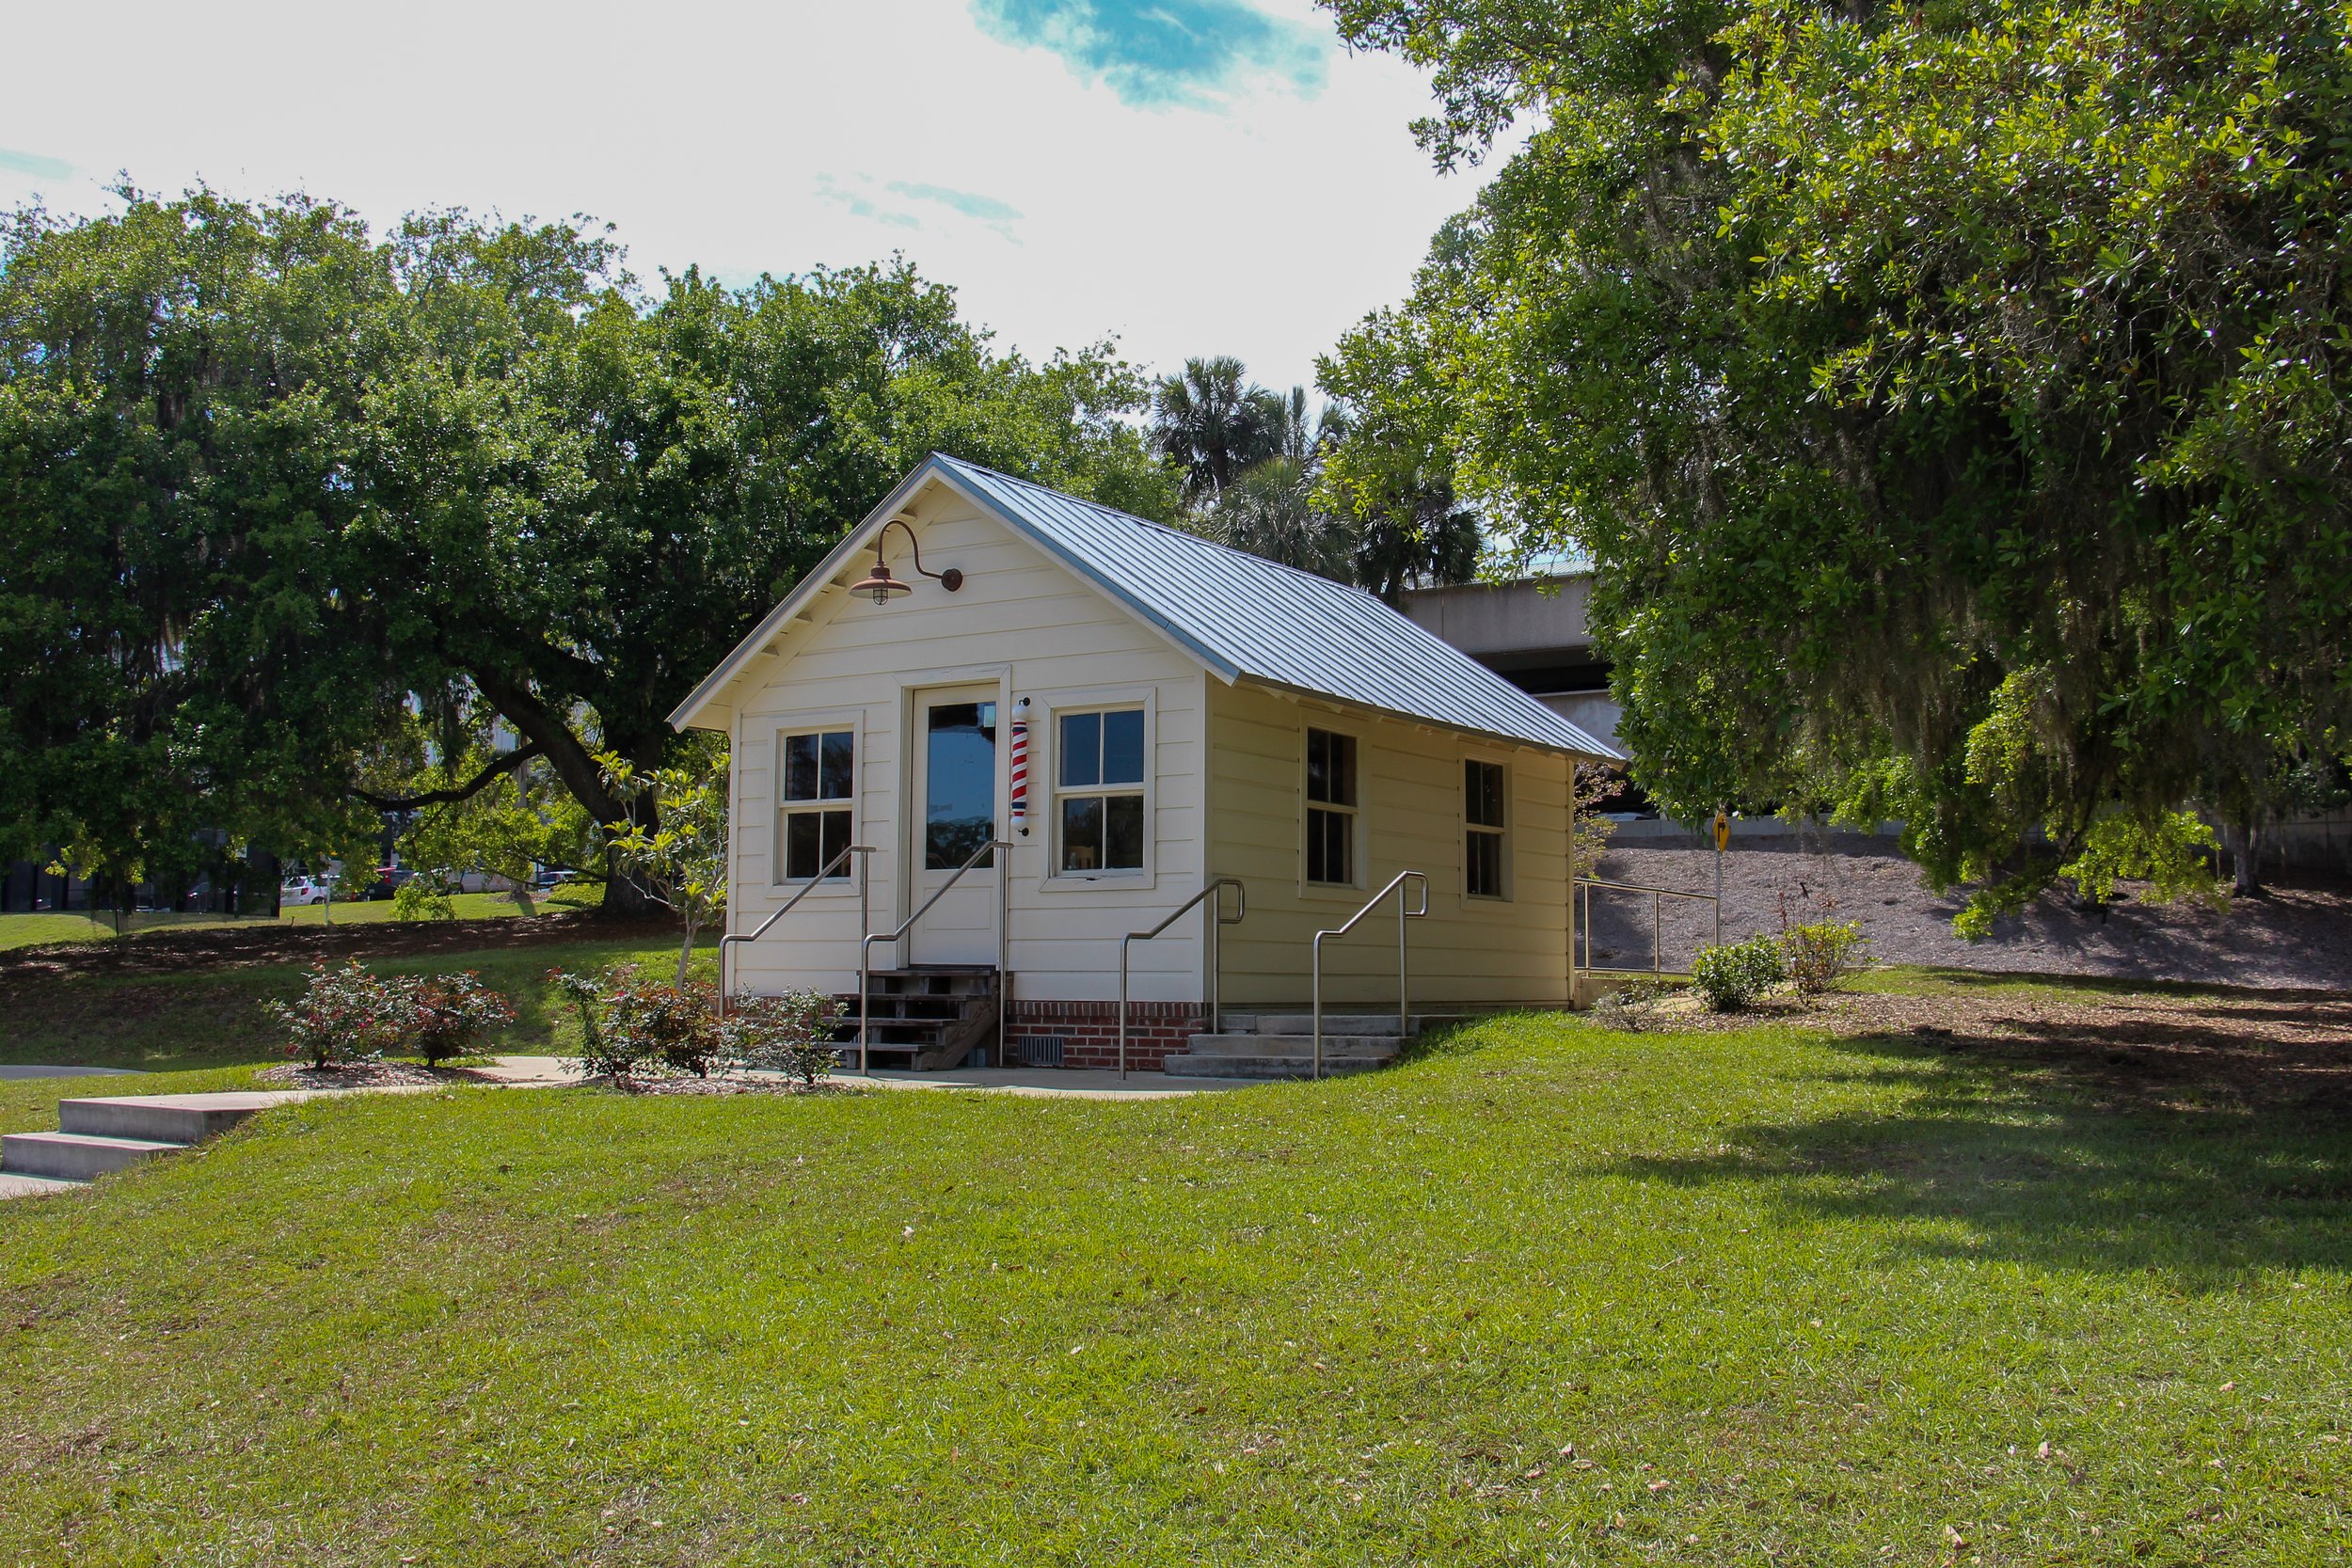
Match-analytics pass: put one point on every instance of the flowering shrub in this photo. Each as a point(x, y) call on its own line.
point(791, 1034)
point(628, 1022)
point(441, 1016)
point(1820, 953)
point(343, 1015)
point(1728, 978)
point(1631, 1005)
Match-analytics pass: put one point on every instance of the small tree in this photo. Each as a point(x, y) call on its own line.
point(682, 859)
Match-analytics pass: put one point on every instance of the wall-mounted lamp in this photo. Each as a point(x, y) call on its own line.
point(881, 584)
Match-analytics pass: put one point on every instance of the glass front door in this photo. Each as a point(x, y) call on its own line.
point(956, 792)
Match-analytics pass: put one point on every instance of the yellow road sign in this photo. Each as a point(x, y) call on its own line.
point(1723, 831)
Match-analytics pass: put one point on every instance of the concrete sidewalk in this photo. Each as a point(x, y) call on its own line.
point(1047, 1083)
point(35, 1069)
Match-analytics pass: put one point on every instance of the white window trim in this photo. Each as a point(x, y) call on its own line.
point(1507, 832)
point(1359, 830)
point(852, 720)
point(1046, 787)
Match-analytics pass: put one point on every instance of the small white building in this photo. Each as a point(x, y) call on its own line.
point(1138, 713)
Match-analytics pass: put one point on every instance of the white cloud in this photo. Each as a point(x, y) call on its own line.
point(750, 138)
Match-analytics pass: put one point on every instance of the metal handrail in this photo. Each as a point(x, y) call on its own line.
point(1396, 885)
point(1659, 896)
point(866, 948)
point(865, 917)
point(1209, 980)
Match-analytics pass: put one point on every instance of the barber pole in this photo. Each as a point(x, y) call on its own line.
point(1020, 811)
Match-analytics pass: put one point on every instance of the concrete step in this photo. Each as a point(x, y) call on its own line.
point(76, 1156)
point(1334, 1066)
point(1382, 1046)
point(1333, 1024)
point(171, 1118)
point(13, 1185)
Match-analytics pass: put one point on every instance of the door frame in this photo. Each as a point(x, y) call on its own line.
point(912, 691)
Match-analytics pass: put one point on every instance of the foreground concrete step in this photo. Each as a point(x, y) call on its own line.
point(76, 1156)
point(1335, 1065)
point(1381, 1047)
point(176, 1118)
point(13, 1185)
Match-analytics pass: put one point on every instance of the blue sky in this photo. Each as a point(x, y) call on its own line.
point(1192, 176)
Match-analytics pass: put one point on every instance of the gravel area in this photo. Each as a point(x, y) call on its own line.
point(366, 1075)
point(2299, 937)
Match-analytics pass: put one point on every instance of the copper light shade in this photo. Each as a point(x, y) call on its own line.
point(881, 584)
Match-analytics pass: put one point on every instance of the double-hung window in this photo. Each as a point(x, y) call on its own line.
point(817, 805)
point(1481, 818)
point(1098, 788)
point(1331, 808)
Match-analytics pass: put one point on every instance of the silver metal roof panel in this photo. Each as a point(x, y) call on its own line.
point(1249, 618)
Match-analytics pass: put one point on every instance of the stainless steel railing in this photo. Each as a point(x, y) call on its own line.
point(1396, 885)
point(866, 948)
point(1584, 886)
point(865, 917)
point(1215, 919)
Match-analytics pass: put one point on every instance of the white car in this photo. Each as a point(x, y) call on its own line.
point(296, 891)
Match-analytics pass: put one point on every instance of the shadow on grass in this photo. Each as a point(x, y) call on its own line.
point(1927, 979)
point(2130, 1146)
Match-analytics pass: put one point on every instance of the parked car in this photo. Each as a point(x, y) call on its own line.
point(386, 881)
point(552, 878)
point(305, 889)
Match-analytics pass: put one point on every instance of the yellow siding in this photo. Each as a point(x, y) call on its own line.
point(1465, 951)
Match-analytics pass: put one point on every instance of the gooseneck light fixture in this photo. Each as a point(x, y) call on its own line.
point(881, 584)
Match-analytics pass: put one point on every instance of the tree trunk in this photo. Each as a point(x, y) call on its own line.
point(2245, 858)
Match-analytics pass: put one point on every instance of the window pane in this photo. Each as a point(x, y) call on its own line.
point(1343, 771)
point(803, 854)
point(1318, 765)
point(1330, 839)
point(1485, 865)
point(1123, 747)
point(836, 838)
point(1081, 749)
point(1082, 832)
point(800, 768)
point(1122, 832)
point(960, 783)
point(837, 769)
point(1482, 793)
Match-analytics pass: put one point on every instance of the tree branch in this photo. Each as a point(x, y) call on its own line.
point(466, 791)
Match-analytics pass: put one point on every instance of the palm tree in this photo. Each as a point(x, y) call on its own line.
point(1212, 422)
point(1269, 511)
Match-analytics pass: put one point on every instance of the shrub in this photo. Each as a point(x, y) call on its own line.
point(343, 1015)
point(1821, 953)
point(1728, 978)
point(791, 1034)
point(441, 1016)
point(419, 900)
point(628, 1021)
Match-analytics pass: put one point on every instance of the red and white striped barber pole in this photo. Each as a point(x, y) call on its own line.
point(1020, 805)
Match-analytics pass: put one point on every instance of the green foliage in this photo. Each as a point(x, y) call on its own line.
point(1632, 1007)
point(790, 1034)
point(1951, 398)
point(630, 1022)
point(1730, 977)
point(684, 860)
point(276, 494)
point(1820, 953)
point(442, 1016)
point(2168, 853)
point(343, 1015)
point(418, 899)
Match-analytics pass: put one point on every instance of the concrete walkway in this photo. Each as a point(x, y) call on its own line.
point(1046, 1083)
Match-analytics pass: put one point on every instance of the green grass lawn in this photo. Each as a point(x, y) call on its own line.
point(34, 930)
point(213, 1016)
point(1554, 1294)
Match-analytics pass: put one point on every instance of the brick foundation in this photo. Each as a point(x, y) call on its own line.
point(1089, 1031)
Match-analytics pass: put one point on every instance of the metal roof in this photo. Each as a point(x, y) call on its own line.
point(1247, 618)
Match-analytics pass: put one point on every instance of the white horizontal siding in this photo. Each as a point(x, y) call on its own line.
point(1017, 612)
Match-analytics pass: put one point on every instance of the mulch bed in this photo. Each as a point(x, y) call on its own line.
point(2242, 1047)
point(366, 1075)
